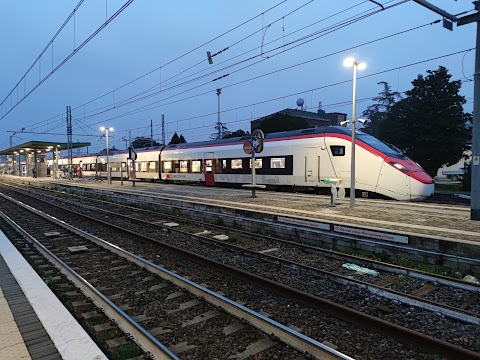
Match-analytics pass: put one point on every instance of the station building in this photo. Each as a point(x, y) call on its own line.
point(314, 119)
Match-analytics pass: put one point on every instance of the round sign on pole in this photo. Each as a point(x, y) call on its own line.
point(247, 147)
point(257, 140)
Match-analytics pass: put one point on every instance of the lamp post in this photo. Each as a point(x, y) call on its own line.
point(360, 66)
point(103, 128)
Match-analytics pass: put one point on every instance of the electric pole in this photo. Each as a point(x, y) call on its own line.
point(69, 140)
point(475, 183)
point(219, 124)
point(151, 133)
point(163, 129)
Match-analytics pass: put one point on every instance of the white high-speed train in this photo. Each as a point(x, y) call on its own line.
point(292, 159)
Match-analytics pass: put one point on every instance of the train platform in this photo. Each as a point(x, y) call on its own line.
point(426, 226)
point(33, 323)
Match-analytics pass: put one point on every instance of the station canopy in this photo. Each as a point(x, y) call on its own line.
point(41, 147)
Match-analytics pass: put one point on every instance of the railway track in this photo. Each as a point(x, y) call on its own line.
point(308, 275)
point(148, 301)
point(454, 297)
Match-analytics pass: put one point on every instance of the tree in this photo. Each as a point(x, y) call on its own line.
point(283, 122)
point(220, 134)
point(378, 112)
point(141, 142)
point(429, 125)
point(175, 139)
point(238, 133)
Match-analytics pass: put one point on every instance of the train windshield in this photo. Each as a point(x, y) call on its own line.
point(387, 149)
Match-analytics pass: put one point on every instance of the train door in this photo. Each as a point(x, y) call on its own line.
point(208, 169)
point(312, 165)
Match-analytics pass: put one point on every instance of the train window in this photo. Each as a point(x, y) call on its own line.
point(167, 166)
point(337, 150)
point(152, 166)
point(224, 164)
point(137, 166)
point(236, 164)
point(258, 163)
point(277, 163)
point(92, 166)
point(184, 166)
point(196, 166)
point(144, 166)
point(209, 164)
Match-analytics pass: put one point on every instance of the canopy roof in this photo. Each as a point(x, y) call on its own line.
point(41, 146)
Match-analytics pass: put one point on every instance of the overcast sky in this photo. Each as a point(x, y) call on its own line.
point(276, 52)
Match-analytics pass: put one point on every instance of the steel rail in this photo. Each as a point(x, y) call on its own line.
point(441, 279)
point(402, 334)
point(445, 309)
point(143, 338)
point(238, 217)
point(449, 311)
point(279, 331)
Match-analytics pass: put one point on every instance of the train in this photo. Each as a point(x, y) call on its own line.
point(290, 160)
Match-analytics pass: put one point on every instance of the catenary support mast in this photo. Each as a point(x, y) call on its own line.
point(475, 199)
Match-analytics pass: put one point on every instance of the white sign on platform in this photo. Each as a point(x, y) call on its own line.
point(301, 222)
point(371, 234)
point(476, 160)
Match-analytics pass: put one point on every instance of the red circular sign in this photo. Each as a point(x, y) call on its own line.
point(247, 147)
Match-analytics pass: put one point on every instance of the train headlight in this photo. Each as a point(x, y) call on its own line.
point(400, 167)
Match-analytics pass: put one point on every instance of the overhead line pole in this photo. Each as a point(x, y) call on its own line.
point(475, 176)
point(437, 10)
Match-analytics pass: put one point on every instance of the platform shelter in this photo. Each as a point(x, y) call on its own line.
point(30, 158)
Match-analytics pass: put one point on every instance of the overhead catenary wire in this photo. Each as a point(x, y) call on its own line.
point(45, 49)
point(183, 55)
point(205, 93)
point(120, 103)
point(67, 58)
point(133, 99)
point(175, 59)
point(266, 74)
point(299, 92)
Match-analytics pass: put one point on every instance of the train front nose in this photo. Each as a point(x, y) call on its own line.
point(422, 185)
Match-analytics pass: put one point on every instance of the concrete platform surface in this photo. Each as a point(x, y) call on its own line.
point(34, 324)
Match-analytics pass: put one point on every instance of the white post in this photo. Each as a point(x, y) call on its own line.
point(254, 182)
point(108, 160)
point(352, 169)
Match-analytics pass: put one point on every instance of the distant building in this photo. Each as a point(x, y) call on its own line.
point(314, 119)
point(455, 171)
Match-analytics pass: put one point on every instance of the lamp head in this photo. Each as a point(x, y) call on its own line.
point(362, 66)
point(102, 128)
point(363, 121)
point(344, 123)
point(348, 62)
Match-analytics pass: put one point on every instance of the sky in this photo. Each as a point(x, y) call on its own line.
point(151, 60)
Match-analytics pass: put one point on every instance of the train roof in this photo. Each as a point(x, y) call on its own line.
point(282, 134)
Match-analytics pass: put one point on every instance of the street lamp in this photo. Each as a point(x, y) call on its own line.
point(360, 66)
point(103, 128)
